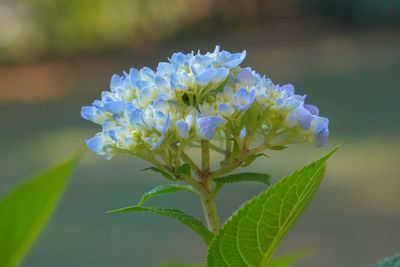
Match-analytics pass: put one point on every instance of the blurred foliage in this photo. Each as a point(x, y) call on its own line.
point(64, 27)
point(26, 209)
point(45, 28)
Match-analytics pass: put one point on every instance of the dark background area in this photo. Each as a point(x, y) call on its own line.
point(56, 56)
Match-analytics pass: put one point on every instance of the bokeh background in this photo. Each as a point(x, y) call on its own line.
point(57, 55)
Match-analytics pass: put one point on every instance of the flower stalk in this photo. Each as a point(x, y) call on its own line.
point(210, 209)
point(205, 158)
point(206, 192)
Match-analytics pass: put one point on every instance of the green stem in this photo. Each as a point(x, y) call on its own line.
point(210, 209)
point(205, 157)
point(232, 164)
point(206, 194)
point(228, 145)
point(212, 147)
point(217, 149)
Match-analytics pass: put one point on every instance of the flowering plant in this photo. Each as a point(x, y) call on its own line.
point(208, 102)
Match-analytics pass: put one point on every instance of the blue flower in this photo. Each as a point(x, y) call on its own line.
point(115, 107)
point(206, 126)
point(116, 82)
point(163, 132)
point(320, 131)
point(162, 122)
point(246, 76)
point(313, 109)
point(225, 110)
point(228, 59)
point(243, 99)
point(321, 137)
point(101, 145)
point(136, 117)
point(190, 97)
point(182, 129)
point(93, 114)
point(146, 96)
point(212, 75)
point(300, 116)
point(165, 68)
point(288, 88)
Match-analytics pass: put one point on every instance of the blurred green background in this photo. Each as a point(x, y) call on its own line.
point(57, 55)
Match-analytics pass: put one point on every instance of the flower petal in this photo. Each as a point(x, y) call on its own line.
point(182, 129)
point(206, 77)
point(116, 81)
point(313, 109)
point(288, 88)
point(225, 110)
point(243, 99)
point(206, 126)
point(114, 106)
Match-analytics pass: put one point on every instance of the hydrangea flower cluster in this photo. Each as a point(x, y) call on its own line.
point(195, 97)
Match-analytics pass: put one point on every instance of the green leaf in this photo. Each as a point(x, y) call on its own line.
point(253, 233)
point(252, 158)
point(244, 177)
point(163, 190)
point(26, 209)
point(162, 172)
point(393, 261)
point(185, 170)
point(186, 219)
point(287, 260)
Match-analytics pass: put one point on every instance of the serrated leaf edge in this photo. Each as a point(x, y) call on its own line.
point(247, 203)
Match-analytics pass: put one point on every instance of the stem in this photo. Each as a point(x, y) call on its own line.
point(260, 148)
point(267, 145)
point(210, 210)
point(179, 151)
point(228, 145)
point(152, 159)
point(217, 149)
point(212, 147)
point(205, 156)
point(206, 193)
point(228, 168)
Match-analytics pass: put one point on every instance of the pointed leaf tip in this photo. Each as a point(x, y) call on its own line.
point(30, 204)
point(252, 234)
